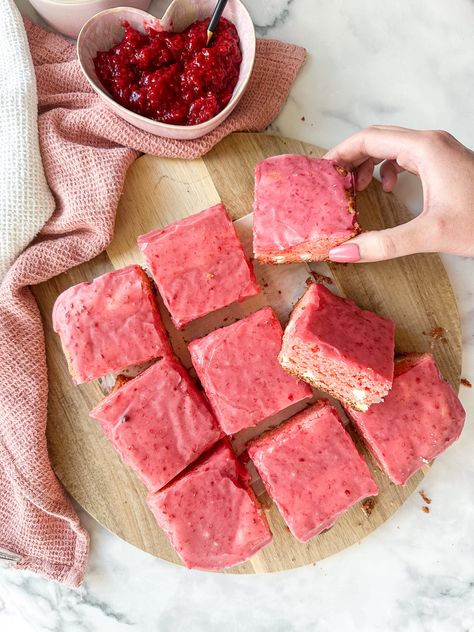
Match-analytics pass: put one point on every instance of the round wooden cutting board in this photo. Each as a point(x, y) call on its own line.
point(413, 291)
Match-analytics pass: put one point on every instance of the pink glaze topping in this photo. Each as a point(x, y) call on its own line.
point(240, 373)
point(312, 470)
point(419, 419)
point(338, 329)
point(199, 265)
point(158, 422)
point(210, 514)
point(109, 324)
point(298, 199)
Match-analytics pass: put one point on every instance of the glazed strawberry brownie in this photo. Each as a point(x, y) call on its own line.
point(339, 348)
point(312, 470)
point(210, 513)
point(418, 419)
point(240, 373)
point(199, 265)
point(158, 422)
point(303, 207)
point(109, 324)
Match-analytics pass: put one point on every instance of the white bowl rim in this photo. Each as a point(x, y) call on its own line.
point(74, 3)
point(140, 117)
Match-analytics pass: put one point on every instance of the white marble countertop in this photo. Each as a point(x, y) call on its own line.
point(369, 62)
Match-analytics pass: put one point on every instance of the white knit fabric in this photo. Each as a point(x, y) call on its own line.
point(25, 199)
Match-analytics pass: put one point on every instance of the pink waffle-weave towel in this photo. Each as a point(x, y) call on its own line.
point(86, 151)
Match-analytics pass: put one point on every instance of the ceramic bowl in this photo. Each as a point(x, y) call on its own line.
point(105, 29)
point(69, 16)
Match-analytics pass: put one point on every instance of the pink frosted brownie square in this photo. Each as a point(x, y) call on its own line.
point(312, 470)
point(158, 422)
point(199, 265)
point(210, 513)
point(109, 324)
point(418, 419)
point(239, 370)
point(303, 207)
point(339, 348)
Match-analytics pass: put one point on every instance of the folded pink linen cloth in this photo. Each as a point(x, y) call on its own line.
point(86, 151)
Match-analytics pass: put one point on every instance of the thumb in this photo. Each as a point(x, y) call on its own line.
point(379, 245)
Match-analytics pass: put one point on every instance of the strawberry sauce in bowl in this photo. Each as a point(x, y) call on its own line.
point(173, 77)
point(160, 75)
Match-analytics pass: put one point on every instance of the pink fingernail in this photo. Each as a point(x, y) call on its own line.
point(346, 253)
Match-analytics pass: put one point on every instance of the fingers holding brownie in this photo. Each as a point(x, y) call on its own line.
point(446, 170)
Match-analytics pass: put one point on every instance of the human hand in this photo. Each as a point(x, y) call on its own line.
point(446, 170)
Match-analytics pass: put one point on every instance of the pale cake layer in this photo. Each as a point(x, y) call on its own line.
point(338, 347)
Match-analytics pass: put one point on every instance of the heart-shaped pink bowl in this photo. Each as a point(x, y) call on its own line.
point(105, 29)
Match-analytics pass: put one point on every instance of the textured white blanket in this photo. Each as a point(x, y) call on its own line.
point(25, 199)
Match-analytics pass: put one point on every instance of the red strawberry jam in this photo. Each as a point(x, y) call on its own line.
point(173, 77)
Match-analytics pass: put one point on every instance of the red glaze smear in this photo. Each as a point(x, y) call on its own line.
point(173, 77)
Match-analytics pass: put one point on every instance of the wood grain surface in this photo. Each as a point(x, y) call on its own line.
point(414, 291)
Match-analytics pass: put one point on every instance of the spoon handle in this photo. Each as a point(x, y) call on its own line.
point(220, 6)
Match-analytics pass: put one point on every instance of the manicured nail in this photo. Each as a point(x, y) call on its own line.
point(346, 253)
